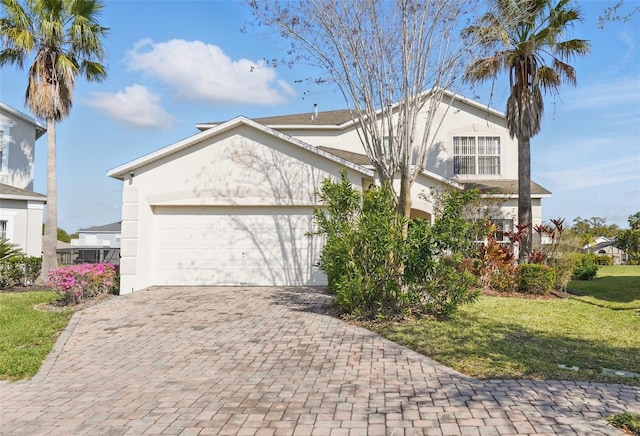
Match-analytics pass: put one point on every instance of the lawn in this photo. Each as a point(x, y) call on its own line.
point(27, 335)
point(616, 287)
point(508, 337)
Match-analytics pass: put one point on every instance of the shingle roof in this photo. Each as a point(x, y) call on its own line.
point(11, 192)
point(502, 187)
point(113, 227)
point(325, 118)
point(356, 158)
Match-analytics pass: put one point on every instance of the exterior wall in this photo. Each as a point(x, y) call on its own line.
point(241, 167)
point(24, 224)
point(452, 118)
point(18, 154)
point(105, 239)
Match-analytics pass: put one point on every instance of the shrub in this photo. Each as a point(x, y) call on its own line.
point(563, 264)
point(604, 260)
point(497, 269)
point(586, 267)
point(74, 282)
point(19, 271)
point(535, 279)
point(374, 270)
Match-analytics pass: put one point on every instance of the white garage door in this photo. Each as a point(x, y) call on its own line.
point(235, 246)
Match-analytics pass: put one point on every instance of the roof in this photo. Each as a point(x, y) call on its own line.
point(336, 118)
point(341, 118)
point(601, 245)
point(503, 187)
point(122, 171)
point(107, 228)
point(356, 158)
point(8, 192)
point(361, 159)
point(40, 128)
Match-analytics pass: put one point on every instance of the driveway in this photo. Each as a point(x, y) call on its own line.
point(254, 361)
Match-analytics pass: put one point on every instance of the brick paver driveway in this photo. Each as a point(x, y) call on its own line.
point(267, 361)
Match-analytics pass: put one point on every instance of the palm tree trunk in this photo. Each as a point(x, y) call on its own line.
point(524, 197)
point(49, 255)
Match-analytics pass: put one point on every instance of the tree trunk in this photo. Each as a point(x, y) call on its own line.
point(404, 201)
point(49, 255)
point(524, 197)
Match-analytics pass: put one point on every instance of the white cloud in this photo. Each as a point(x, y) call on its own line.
point(605, 94)
point(200, 71)
point(595, 175)
point(136, 105)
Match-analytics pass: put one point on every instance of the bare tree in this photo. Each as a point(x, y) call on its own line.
point(392, 61)
point(612, 13)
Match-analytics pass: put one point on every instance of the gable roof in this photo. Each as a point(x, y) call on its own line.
point(362, 159)
point(503, 187)
point(122, 171)
point(8, 192)
point(343, 118)
point(106, 228)
point(39, 127)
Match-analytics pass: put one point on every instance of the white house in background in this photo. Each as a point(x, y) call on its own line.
point(21, 209)
point(232, 205)
point(603, 246)
point(96, 244)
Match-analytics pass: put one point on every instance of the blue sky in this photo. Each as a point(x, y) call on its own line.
point(173, 64)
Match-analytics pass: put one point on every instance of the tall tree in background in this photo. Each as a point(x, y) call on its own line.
point(392, 61)
point(63, 40)
point(533, 51)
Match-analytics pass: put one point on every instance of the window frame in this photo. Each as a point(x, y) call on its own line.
point(477, 155)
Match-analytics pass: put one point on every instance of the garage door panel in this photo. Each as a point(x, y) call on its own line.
point(235, 246)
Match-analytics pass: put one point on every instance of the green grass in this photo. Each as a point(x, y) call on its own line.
point(510, 338)
point(27, 335)
point(616, 287)
point(628, 422)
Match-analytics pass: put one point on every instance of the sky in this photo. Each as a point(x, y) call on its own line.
point(173, 64)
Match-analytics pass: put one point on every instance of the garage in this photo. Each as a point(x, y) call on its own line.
point(260, 246)
point(230, 206)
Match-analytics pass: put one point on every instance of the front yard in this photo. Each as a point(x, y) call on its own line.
point(507, 337)
point(496, 337)
point(27, 334)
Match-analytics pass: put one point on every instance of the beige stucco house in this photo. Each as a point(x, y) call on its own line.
point(232, 205)
point(21, 209)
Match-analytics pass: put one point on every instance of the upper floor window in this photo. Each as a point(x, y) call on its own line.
point(476, 155)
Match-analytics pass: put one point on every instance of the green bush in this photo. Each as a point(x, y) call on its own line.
point(373, 270)
point(586, 267)
point(19, 271)
point(604, 259)
point(563, 264)
point(535, 279)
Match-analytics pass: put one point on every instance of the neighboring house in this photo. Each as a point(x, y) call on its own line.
point(21, 209)
point(232, 205)
point(604, 246)
point(94, 245)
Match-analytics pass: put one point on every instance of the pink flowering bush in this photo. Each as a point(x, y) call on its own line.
point(85, 280)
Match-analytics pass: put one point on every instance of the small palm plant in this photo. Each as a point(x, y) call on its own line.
point(8, 250)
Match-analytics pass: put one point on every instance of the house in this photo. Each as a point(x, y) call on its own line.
point(96, 244)
point(21, 209)
point(604, 246)
point(232, 205)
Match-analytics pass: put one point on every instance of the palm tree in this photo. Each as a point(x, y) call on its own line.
point(63, 39)
point(525, 39)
